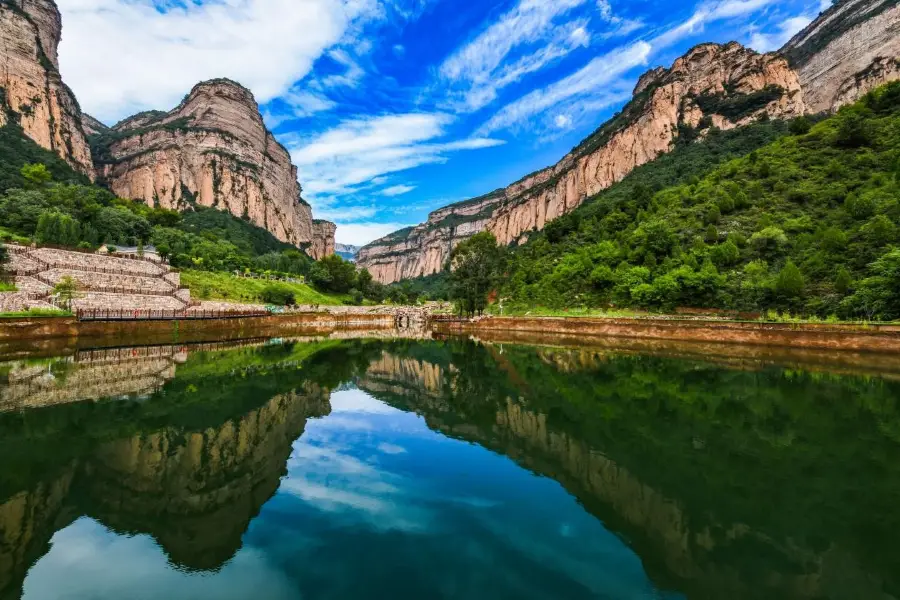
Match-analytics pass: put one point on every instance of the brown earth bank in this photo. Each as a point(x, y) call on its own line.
point(15, 331)
point(744, 357)
point(842, 337)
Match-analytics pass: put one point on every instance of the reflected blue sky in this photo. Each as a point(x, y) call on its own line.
point(374, 504)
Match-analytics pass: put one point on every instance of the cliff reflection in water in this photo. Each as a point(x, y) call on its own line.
point(751, 482)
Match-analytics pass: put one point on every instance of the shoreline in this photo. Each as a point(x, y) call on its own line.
point(882, 338)
point(27, 330)
point(858, 338)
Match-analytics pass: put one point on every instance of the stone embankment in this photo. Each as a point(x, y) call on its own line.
point(852, 337)
point(104, 282)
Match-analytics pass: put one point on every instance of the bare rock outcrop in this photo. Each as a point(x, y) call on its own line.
point(709, 80)
point(323, 239)
point(32, 92)
point(212, 150)
point(850, 49)
point(92, 126)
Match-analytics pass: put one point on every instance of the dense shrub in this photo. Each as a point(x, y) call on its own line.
point(803, 223)
point(279, 295)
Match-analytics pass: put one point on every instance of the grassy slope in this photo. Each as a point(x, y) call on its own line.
point(205, 285)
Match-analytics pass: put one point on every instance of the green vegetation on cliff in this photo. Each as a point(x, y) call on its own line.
point(805, 224)
point(43, 200)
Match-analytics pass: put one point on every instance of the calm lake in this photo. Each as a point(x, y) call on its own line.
point(276, 469)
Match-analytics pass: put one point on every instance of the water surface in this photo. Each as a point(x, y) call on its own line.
point(449, 469)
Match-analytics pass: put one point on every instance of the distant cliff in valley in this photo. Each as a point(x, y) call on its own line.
point(850, 49)
point(346, 251)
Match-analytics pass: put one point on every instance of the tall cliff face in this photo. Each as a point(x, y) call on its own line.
point(323, 239)
point(212, 150)
point(850, 49)
point(31, 89)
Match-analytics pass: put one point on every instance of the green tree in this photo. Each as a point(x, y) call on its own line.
point(66, 290)
point(790, 282)
point(879, 295)
point(843, 281)
point(4, 260)
point(334, 274)
point(36, 175)
point(770, 242)
point(854, 130)
point(364, 282)
point(800, 126)
point(164, 250)
point(476, 267)
point(277, 294)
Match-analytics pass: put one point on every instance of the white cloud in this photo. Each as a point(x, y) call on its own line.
point(599, 73)
point(397, 190)
point(95, 562)
point(475, 72)
point(121, 57)
point(620, 25)
point(360, 234)
point(360, 150)
point(705, 14)
point(601, 82)
point(563, 121)
point(350, 77)
point(769, 42)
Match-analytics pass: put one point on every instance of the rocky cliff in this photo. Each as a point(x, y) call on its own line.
point(32, 92)
point(323, 239)
point(212, 150)
point(850, 49)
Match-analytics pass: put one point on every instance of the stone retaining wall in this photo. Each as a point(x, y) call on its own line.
point(176, 330)
point(875, 338)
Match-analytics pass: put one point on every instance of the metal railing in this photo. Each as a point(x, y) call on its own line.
point(102, 288)
point(163, 315)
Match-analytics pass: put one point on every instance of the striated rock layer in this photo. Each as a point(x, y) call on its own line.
point(850, 49)
point(323, 239)
point(31, 89)
point(212, 150)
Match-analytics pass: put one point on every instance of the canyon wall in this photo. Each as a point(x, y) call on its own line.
point(212, 150)
point(850, 49)
point(323, 239)
point(32, 92)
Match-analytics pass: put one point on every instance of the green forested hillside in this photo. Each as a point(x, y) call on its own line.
point(42, 198)
point(805, 224)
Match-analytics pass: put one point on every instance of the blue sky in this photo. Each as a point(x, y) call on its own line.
point(393, 108)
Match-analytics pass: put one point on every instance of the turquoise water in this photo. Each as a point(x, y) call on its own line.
point(444, 470)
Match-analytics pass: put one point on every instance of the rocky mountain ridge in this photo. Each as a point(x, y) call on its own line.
point(32, 92)
point(213, 149)
point(850, 49)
